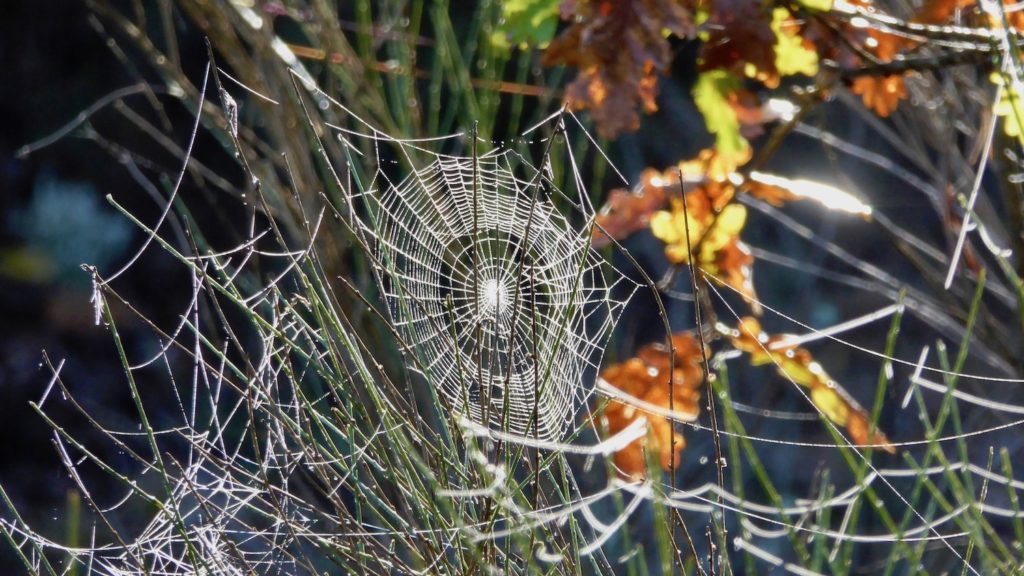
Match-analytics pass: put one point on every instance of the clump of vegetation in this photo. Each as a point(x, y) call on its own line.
point(406, 230)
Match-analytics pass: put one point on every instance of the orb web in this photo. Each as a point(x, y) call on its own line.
point(506, 302)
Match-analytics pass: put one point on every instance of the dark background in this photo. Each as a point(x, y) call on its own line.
point(54, 218)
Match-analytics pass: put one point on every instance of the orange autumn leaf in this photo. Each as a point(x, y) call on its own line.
point(716, 174)
point(709, 231)
point(836, 43)
point(940, 11)
point(626, 212)
point(646, 378)
point(880, 93)
point(774, 195)
point(883, 94)
point(885, 46)
point(714, 223)
point(1015, 18)
point(732, 266)
point(798, 365)
point(945, 11)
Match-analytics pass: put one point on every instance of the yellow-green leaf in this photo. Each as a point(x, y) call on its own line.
point(1010, 107)
point(791, 57)
point(728, 225)
point(818, 5)
point(831, 404)
point(526, 22)
point(711, 94)
point(670, 227)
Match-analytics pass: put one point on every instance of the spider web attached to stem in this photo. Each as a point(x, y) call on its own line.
point(504, 298)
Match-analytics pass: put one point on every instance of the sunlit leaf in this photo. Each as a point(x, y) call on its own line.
point(527, 22)
point(940, 11)
point(732, 265)
point(797, 364)
point(880, 93)
point(1009, 107)
point(671, 228)
point(711, 94)
point(774, 195)
point(626, 212)
point(884, 45)
point(791, 56)
point(645, 379)
point(713, 236)
point(818, 5)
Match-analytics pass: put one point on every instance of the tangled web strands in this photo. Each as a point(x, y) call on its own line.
point(506, 302)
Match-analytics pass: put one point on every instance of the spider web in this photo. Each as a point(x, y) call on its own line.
point(503, 297)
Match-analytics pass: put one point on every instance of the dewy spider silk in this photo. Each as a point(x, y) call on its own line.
point(507, 303)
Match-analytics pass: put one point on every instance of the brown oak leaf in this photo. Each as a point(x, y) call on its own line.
point(618, 48)
point(740, 39)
